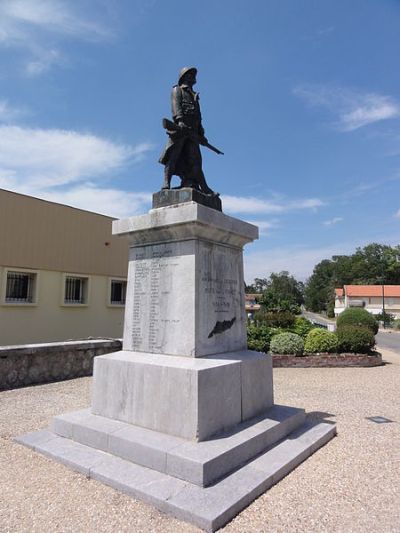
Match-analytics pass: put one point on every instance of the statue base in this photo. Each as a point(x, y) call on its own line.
point(167, 197)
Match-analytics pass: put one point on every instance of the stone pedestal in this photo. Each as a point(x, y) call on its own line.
point(183, 417)
point(193, 398)
point(185, 369)
point(185, 283)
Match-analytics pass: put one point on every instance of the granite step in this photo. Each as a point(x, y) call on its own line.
point(209, 508)
point(200, 463)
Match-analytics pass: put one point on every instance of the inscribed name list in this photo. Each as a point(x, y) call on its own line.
point(159, 300)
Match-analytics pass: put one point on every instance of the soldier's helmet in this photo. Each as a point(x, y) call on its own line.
point(184, 71)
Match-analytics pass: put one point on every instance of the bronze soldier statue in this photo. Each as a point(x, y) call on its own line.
point(181, 155)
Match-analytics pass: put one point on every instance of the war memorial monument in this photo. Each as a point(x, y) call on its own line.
point(183, 417)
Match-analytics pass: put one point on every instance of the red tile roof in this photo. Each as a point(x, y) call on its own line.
point(372, 290)
point(339, 292)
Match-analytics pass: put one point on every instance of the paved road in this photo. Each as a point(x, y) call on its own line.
point(389, 340)
point(314, 317)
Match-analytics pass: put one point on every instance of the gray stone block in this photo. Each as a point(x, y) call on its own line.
point(301, 443)
point(168, 197)
point(62, 425)
point(86, 428)
point(72, 454)
point(209, 508)
point(148, 485)
point(200, 463)
point(185, 397)
point(205, 462)
point(36, 438)
point(143, 446)
point(185, 281)
point(256, 382)
point(212, 507)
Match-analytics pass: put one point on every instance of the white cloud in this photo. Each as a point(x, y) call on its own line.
point(43, 62)
point(57, 157)
point(355, 109)
point(106, 201)
point(397, 214)
point(264, 225)
point(56, 16)
point(61, 166)
point(333, 221)
point(8, 113)
point(30, 25)
point(251, 204)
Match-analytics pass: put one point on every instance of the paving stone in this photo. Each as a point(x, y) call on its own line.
point(32, 440)
point(207, 507)
point(143, 446)
point(72, 454)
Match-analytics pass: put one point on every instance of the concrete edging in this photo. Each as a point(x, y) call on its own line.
point(327, 360)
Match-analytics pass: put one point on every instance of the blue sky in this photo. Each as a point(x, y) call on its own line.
point(302, 96)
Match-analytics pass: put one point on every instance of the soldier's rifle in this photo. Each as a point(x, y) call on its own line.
point(174, 128)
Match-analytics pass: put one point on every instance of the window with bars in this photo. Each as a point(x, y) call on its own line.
point(20, 287)
point(118, 292)
point(75, 290)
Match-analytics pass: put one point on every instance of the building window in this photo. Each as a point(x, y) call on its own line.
point(20, 287)
point(118, 292)
point(76, 290)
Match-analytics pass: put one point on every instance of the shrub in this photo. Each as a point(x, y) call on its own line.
point(386, 318)
point(258, 338)
point(279, 319)
point(320, 340)
point(302, 326)
point(355, 339)
point(396, 323)
point(357, 317)
point(287, 343)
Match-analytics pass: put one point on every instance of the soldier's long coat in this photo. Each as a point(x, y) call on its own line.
point(185, 108)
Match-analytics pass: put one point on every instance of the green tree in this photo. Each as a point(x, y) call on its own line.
point(366, 266)
point(257, 287)
point(319, 287)
point(282, 293)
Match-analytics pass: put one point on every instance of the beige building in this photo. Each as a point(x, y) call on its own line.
point(62, 273)
point(252, 304)
point(370, 297)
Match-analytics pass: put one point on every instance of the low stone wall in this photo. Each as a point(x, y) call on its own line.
point(42, 363)
point(326, 360)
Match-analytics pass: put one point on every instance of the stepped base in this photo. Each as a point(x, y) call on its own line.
point(201, 463)
point(113, 445)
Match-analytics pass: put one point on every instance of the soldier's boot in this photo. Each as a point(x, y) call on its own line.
point(203, 184)
point(167, 179)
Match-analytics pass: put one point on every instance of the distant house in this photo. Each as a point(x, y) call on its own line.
point(369, 297)
point(252, 304)
point(62, 272)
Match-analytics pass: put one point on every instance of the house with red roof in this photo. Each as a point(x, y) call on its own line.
point(373, 298)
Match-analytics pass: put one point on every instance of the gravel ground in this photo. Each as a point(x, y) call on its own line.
point(350, 485)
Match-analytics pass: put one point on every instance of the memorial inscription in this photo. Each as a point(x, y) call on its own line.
point(220, 294)
point(155, 273)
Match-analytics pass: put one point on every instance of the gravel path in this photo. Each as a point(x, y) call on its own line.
point(350, 485)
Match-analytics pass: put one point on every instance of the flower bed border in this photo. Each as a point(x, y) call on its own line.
point(327, 360)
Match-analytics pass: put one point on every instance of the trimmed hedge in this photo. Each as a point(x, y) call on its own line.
point(287, 343)
point(357, 317)
point(280, 319)
point(258, 338)
point(321, 341)
point(302, 326)
point(355, 339)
